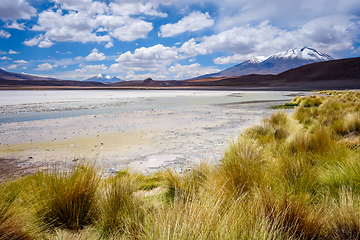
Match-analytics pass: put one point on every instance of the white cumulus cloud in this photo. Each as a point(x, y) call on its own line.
point(190, 71)
point(92, 68)
point(243, 40)
point(109, 45)
point(81, 21)
point(132, 30)
point(15, 25)
point(193, 22)
point(20, 61)
point(331, 33)
point(72, 27)
point(229, 59)
point(151, 58)
point(16, 9)
point(4, 34)
point(191, 48)
point(5, 58)
point(45, 67)
point(95, 55)
point(136, 8)
point(33, 41)
point(13, 66)
point(46, 43)
point(13, 52)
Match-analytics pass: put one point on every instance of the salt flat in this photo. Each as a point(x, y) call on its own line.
point(142, 130)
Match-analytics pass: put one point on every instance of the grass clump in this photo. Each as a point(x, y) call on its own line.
point(345, 221)
point(183, 187)
point(352, 122)
point(242, 165)
point(305, 142)
point(272, 130)
point(120, 209)
point(289, 105)
point(12, 223)
point(292, 217)
point(67, 199)
point(149, 182)
point(312, 101)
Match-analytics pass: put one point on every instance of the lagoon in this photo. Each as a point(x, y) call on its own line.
point(143, 130)
point(17, 106)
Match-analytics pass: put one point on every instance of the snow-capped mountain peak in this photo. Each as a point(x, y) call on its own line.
point(305, 53)
point(275, 63)
point(103, 78)
point(257, 59)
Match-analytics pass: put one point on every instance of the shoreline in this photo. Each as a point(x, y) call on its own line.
point(146, 140)
point(181, 137)
point(201, 88)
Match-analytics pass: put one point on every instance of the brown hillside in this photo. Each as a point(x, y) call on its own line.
point(341, 69)
point(54, 83)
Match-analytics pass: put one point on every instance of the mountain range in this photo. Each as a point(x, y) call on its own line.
point(102, 78)
point(334, 74)
point(5, 75)
point(273, 64)
point(319, 72)
point(9, 79)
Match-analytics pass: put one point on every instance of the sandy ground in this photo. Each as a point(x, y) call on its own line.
point(141, 140)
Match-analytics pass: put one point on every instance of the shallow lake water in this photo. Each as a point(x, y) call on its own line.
point(17, 106)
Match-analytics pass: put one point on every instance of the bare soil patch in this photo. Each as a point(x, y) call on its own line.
point(11, 168)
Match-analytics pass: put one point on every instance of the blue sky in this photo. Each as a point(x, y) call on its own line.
point(166, 39)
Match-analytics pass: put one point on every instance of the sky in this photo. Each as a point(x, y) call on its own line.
point(166, 39)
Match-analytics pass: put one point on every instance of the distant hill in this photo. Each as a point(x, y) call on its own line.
point(103, 78)
point(19, 79)
point(48, 83)
point(335, 74)
point(4, 75)
point(273, 64)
